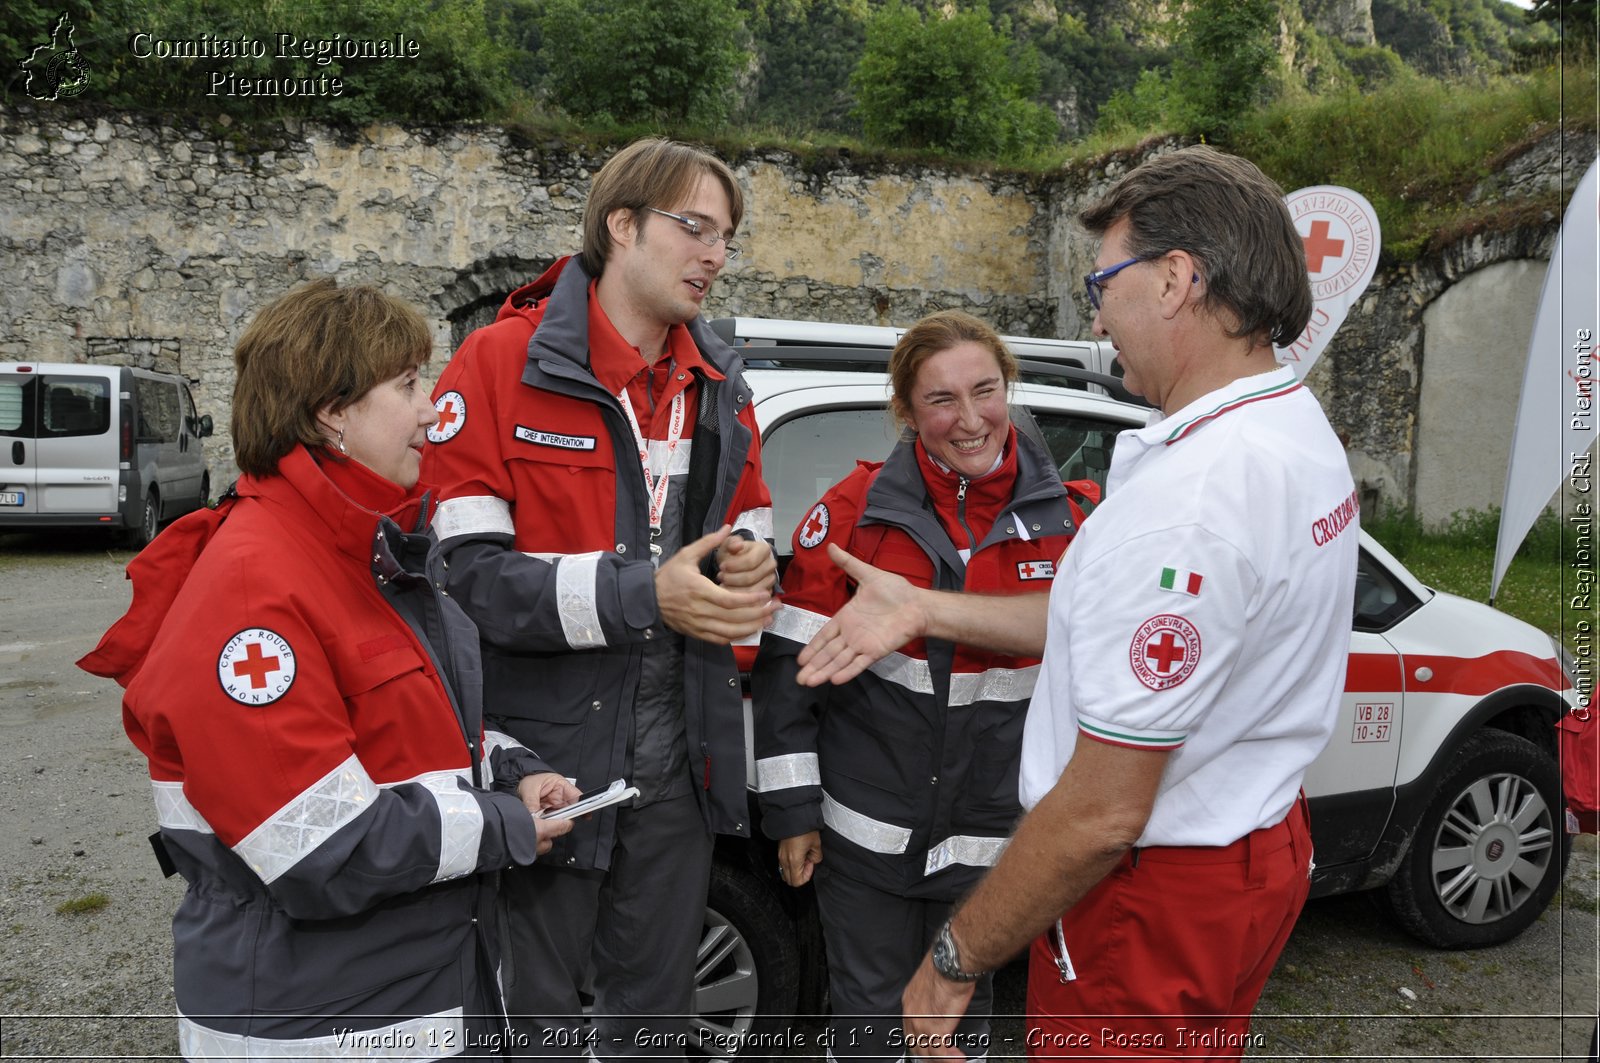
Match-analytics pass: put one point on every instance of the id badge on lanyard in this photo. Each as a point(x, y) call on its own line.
point(656, 481)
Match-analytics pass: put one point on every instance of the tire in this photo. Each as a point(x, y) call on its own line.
point(141, 535)
point(746, 971)
point(1489, 851)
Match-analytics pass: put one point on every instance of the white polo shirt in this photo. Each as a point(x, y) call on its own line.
point(1205, 608)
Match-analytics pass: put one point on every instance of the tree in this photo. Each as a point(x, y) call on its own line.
point(948, 83)
point(642, 60)
point(1223, 66)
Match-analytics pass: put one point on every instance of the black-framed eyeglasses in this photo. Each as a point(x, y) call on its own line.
point(1094, 283)
point(706, 234)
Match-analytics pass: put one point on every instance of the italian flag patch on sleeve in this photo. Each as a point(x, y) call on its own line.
point(1181, 580)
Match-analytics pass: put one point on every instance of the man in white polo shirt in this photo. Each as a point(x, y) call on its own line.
point(1194, 656)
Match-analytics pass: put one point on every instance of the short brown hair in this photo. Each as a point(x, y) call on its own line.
point(1231, 217)
point(319, 345)
point(652, 172)
point(935, 334)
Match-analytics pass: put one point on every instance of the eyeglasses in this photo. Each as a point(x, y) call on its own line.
point(1095, 283)
point(706, 234)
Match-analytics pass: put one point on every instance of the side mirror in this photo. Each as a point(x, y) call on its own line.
point(205, 426)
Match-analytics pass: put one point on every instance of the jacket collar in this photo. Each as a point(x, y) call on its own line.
point(360, 512)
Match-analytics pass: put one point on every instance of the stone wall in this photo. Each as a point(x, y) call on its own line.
point(124, 240)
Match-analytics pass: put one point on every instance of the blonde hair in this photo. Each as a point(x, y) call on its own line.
point(933, 335)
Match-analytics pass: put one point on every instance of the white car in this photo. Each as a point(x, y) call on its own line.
point(1439, 788)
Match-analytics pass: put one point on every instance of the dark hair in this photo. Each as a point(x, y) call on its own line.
point(319, 345)
point(1231, 217)
point(933, 335)
point(652, 172)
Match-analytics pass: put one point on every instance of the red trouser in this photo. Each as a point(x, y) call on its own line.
point(1171, 950)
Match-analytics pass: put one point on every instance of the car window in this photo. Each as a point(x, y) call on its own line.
point(158, 411)
point(1081, 446)
point(75, 406)
point(1381, 600)
point(16, 400)
point(804, 456)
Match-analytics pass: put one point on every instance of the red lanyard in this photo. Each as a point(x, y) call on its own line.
point(656, 481)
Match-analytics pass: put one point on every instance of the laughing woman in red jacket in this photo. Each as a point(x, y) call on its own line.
point(311, 707)
point(897, 789)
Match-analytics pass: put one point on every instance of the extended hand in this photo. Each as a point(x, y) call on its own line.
point(933, 1007)
point(695, 606)
point(883, 615)
point(799, 856)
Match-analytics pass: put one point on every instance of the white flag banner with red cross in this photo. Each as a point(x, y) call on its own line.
point(1341, 235)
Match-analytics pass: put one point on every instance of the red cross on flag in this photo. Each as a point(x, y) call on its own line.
point(1341, 235)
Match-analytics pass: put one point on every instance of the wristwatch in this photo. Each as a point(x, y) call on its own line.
point(947, 960)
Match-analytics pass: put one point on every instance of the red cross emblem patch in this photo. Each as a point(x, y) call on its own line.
point(452, 416)
point(1036, 570)
point(1165, 651)
point(256, 666)
point(814, 528)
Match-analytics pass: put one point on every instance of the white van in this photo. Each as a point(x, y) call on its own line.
point(103, 446)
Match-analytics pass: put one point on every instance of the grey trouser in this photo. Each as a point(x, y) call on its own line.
point(875, 941)
point(638, 924)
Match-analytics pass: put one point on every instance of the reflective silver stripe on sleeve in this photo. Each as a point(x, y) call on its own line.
point(966, 688)
point(757, 522)
point(575, 591)
point(796, 624)
point(494, 741)
point(297, 828)
point(865, 831)
point(966, 849)
point(791, 769)
point(427, 1037)
point(996, 684)
point(173, 810)
point(473, 515)
point(460, 822)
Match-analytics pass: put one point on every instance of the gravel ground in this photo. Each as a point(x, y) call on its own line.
point(85, 952)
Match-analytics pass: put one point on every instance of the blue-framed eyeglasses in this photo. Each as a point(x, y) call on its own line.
point(706, 234)
point(1094, 283)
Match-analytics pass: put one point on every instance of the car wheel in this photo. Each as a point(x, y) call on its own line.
point(1489, 851)
point(746, 974)
point(141, 535)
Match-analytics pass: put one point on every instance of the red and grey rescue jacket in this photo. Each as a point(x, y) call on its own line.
point(546, 545)
point(310, 705)
point(910, 770)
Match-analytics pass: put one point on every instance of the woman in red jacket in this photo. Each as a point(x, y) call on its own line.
point(311, 708)
point(898, 789)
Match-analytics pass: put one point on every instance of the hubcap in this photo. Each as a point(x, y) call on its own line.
point(1493, 848)
point(726, 990)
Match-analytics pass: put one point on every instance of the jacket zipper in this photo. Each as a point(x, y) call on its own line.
point(961, 516)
